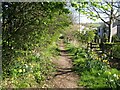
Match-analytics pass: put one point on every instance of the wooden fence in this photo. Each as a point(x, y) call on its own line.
point(103, 48)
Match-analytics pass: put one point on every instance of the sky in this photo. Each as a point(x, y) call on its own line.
point(83, 19)
point(78, 17)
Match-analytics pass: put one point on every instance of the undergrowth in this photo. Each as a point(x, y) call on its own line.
point(94, 72)
point(30, 69)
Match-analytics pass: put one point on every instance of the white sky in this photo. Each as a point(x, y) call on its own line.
point(77, 17)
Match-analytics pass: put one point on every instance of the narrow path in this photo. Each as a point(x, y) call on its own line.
point(64, 77)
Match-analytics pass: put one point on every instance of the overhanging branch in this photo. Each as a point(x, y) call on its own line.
point(100, 16)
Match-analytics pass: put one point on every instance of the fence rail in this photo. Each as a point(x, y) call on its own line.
point(103, 48)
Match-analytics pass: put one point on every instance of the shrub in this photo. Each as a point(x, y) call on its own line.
point(116, 51)
point(94, 72)
point(115, 38)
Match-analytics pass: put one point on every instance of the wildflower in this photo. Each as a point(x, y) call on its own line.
point(108, 63)
point(116, 76)
point(105, 61)
point(111, 80)
point(20, 70)
point(111, 57)
point(26, 65)
point(105, 55)
point(23, 70)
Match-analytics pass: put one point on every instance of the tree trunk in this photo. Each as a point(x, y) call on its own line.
point(111, 23)
point(110, 32)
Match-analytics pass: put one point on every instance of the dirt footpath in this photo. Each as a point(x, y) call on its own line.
point(64, 77)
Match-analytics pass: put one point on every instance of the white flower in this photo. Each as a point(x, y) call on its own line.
point(105, 55)
point(111, 80)
point(111, 57)
point(114, 75)
point(26, 65)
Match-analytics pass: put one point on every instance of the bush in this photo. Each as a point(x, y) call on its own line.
point(84, 37)
point(28, 31)
point(116, 51)
point(93, 71)
point(115, 38)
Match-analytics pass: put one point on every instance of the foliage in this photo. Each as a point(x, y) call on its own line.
point(88, 36)
point(116, 51)
point(97, 10)
point(112, 49)
point(115, 38)
point(94, 71)
point(105, 37)
point(30, 31)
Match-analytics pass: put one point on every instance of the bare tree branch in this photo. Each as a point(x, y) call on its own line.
point(118, 19)
point(116, 13)
point(117, 16)
point(105, 12)
point(100, 16)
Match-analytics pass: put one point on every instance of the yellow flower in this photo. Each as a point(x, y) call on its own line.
point(116, 76)
point(108, 63)
point(105, 60)
point(23, 70)
point(20, 70)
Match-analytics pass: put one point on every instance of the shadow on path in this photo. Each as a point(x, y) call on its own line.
point(64, 77)
point(62, 71)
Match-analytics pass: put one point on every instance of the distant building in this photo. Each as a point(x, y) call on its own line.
point(103, 30)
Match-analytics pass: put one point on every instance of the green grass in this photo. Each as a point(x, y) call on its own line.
point(30, 70)
point(94, 72)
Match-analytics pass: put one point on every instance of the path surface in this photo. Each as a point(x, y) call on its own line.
point(64, 77)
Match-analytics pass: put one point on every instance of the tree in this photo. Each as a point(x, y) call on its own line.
point(29, 27)
point(100, 10)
